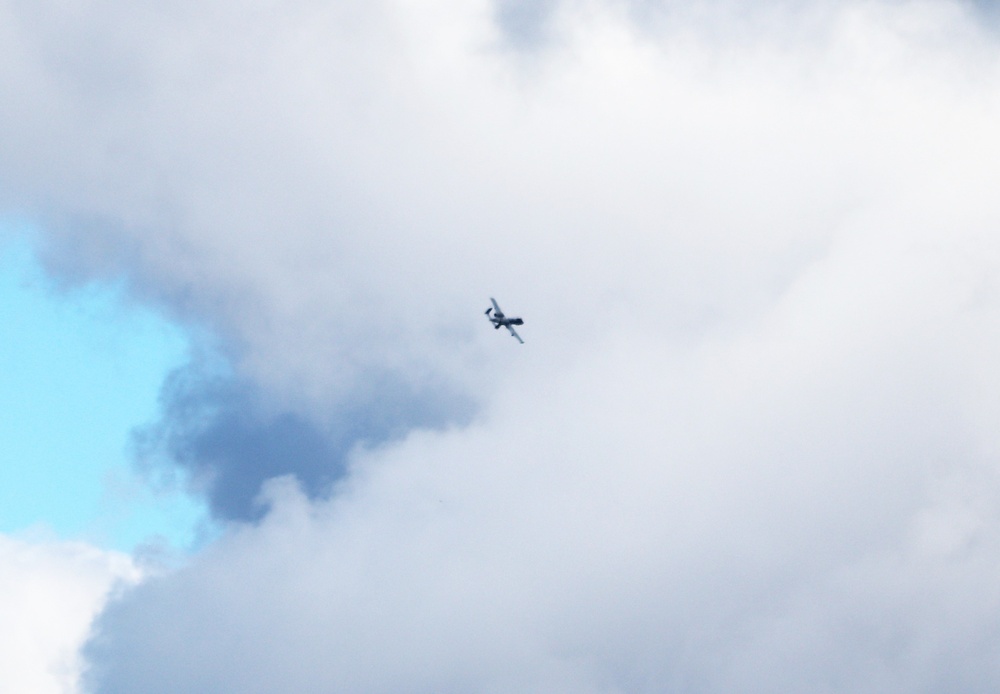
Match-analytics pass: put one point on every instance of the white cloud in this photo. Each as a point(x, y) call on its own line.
point(749, 444)
point(49, 594)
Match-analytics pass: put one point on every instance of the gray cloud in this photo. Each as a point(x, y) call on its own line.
point(525, 23)
point(228, 439)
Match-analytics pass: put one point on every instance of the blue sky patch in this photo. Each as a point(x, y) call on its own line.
point(79, 370)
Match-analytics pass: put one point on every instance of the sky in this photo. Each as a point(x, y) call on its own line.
point(749, 444)
point(81, 369)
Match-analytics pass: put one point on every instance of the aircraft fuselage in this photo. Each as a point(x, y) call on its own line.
point(505, 321)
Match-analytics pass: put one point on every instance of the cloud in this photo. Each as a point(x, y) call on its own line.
point(49, 594)
point(524, 23)
point(228, 441)
point(803, 529)
point(749, 443)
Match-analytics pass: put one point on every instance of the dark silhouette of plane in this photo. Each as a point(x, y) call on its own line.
point(498, 319)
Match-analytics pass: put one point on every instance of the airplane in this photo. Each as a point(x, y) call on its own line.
point(498, 319)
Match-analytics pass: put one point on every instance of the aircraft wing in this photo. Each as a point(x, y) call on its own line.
point(496, 306)
point(514, 333)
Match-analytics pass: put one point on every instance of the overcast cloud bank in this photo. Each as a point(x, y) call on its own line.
point(750, 444)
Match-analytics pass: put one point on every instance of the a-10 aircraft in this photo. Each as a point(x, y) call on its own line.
point(498, 319)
